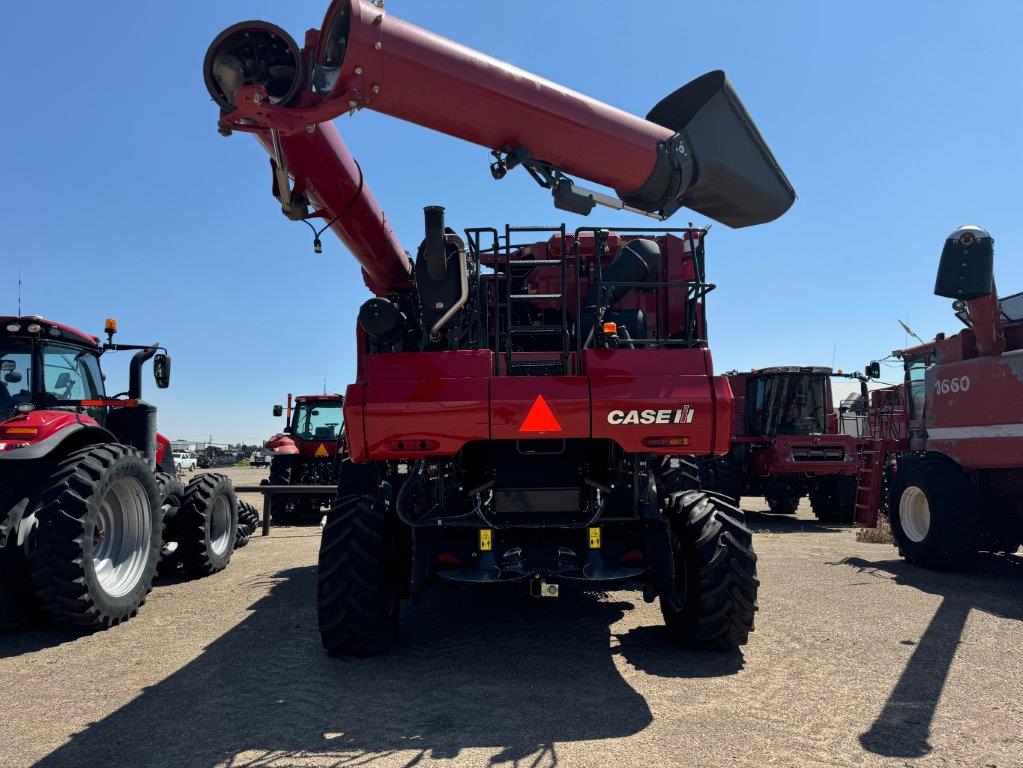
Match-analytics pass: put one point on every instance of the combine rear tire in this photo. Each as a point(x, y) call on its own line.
point(94, 554)
point(205, 525)
point(716, 573)
point(728, 477)
point(358, 597)
point(933, 518)
point(783, 505)
point(834, 499)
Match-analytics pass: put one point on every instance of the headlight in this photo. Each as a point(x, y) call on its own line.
point(13, 327)
point(33, 328)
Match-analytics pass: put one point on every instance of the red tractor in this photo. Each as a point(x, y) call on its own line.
point(945, 448)
point(305, 453)
point(787, 442)
point(89, 502)
point(528, 400)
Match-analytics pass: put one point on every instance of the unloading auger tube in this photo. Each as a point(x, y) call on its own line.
point(697, 148)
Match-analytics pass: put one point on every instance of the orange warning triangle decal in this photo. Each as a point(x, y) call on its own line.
point(321, 451)
point(540, 418)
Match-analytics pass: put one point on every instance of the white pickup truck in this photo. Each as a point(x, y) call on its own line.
point(185, 460)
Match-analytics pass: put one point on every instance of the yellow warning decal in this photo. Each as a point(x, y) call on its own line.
point(321, 451)
point(594, 538)
point(486, 539)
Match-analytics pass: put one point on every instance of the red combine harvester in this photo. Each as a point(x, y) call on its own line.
point(948, 442)
point(305, 453)
point(88, 494)
point(527, 398)
point(787, 442)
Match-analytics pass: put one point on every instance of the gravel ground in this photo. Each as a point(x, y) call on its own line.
point(858, 660)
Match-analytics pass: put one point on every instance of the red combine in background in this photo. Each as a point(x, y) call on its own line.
point(305, 453)
point(945, 448)
point(528, 400)
point(788, 442)
point(88, 495)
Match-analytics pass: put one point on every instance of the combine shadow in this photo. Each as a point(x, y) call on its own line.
point(477, 670)
point(768, 522)
point(903, 728)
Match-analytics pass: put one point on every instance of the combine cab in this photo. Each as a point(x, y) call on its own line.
point(528, 400)
point(305, 453)
point(89, 502)
point(945, 448)
point(788, 442)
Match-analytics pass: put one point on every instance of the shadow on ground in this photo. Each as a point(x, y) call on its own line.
point(768, 522)
point(995, 586)
point(476, 670)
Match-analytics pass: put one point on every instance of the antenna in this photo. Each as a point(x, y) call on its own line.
point(911, 332)
point(19, 290)
point(834, 354)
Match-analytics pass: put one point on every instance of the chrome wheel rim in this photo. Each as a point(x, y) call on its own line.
point(220, 525)
point(915, 514)
point(121, 538)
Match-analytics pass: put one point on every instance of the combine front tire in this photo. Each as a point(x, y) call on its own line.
point(834, 499)
point(715, 571)
point(783, 505)
point(94, 553)
point(933, 518)
point(205, 526)
point(358, 595)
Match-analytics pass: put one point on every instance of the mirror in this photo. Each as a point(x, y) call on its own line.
point(162, 370)
point(873, 370)
point(12, 377)
point(278, 410)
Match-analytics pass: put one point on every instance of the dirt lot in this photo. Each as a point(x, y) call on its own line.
point(858, 659)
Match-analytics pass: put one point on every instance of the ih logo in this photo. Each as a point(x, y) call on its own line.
point(540, 418)
point(683, 415)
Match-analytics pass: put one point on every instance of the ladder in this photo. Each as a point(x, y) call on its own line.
point(869, 482)
point(515, 364)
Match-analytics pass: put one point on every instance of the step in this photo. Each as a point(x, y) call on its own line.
point(537, 329)
point(535, 296)
point(537, 367)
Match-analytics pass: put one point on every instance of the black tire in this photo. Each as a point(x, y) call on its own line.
point(716, 573)
point(283, 509)
point(729, 477)
point(833, 500)
point(248, 523)
point(783, 505)
point(172, 494)
point(18, 605)
point(206, 524)
point(950, 538)
point(61, 564)
point(358, 595)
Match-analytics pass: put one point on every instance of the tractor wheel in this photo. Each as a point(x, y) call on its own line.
point(834, 499)
point(687, 476)
point(248, 524)
point(172, 493)
point(205, 526)
point(933, 518)
point(715, 572)
point(17, 600)
point(728, 477)
point(358, 597)
point(97, 544)
point(783, 505)
point(283, 509)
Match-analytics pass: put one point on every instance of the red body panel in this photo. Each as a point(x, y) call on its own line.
point(439, 84)
point(432, 403)
point(282, 445)
point(45, 423)
point(788, 455)
point(162, 447)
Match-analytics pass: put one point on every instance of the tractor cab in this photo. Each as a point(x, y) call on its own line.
point(317, 418)
point(46, 366)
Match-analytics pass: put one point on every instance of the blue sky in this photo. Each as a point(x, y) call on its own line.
point(896, 122)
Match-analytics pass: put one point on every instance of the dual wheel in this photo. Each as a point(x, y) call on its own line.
point(83, 539)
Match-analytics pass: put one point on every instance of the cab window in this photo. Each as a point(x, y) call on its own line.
point(71, 373)
point(916, 371)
